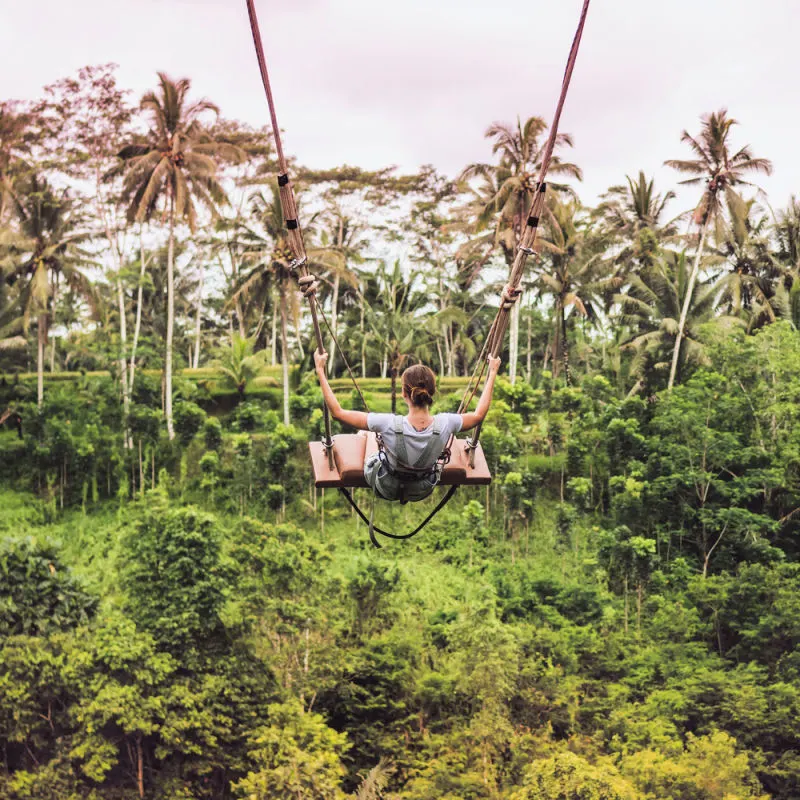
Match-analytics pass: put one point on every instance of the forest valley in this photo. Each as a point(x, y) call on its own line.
point(184, 616)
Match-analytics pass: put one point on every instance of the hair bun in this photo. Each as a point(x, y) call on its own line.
point(420, 393)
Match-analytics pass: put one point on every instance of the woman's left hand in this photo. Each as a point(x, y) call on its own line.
point(320, 360)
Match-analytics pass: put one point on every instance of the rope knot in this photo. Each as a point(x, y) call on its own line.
point(509, 296)
point(308, 285)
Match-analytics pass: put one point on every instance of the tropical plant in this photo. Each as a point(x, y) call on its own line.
point(571, 272)
point(632, 214)
point(176, 164)
point(267, 258)
point(341, 244)
point(238, 364)
point(751, 286)
point(787, 233)
point(15, 135)
point(720, 171)
point(650, 309)
point(48, 249)
point(395, 318)
point(501, 199)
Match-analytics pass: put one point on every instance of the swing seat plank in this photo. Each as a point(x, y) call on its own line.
point(351, 450)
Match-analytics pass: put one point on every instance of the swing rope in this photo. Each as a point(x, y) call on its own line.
point(309, 284)
point(525, 248)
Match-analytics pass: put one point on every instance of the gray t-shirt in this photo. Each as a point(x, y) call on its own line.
point(416, 441)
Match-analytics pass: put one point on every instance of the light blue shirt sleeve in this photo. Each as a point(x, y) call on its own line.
point(451, 424)
point(379, 423)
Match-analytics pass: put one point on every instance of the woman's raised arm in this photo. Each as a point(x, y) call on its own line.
point(472, 418)
point(355, 419)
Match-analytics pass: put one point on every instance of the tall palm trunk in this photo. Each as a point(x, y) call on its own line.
point(557, 330)
point(334, 319)
point(394, 389)
point(565, 347)
point(363, 339)
point(138, 325)
point(274, 343)
point(170, 318)
point(123, 362)
point(686, 303)
point(528, 364)
point(196, 360)
point(42, 339)
point(513, 344)
point(284, 357)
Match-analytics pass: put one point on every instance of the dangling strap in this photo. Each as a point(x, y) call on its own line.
point(371, 513)
point(373, 529)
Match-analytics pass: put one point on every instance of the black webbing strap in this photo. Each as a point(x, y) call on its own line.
point(442, 503)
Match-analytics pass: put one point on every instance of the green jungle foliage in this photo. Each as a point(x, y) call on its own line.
point(183, 616)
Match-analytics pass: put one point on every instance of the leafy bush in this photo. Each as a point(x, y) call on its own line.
point(188, 419)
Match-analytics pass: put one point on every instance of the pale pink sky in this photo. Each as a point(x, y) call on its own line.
point(372, 83)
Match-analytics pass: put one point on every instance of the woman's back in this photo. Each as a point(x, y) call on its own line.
point(417, 453)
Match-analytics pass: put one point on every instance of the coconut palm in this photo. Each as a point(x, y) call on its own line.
point(48, 248)
point(629, 208)
point(632, 215)
point(267, 264)
point(341, 244)
point(787, 256)
point(11, 320)
point(395, 316)
point(238, 364)
point(175, 166)
point(501, 196)
point(650, 308)
point(720, 171)
point(572, 273)
point(15, 134)
point(750, 287)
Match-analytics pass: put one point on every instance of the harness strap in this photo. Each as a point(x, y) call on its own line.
point(373, 529)
point(434, 441)
point(401, 453)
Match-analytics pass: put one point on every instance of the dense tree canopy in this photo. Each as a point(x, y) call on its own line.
point(183, 615)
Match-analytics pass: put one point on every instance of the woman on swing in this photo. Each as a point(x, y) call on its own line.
point(406, 469)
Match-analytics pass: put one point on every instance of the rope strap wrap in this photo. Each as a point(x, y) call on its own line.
point(308, 285)
point(509, 297)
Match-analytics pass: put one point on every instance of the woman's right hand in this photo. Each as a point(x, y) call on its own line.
point(320, 360)
point(494, 365)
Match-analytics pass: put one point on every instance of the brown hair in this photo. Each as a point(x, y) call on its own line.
point(419, 383)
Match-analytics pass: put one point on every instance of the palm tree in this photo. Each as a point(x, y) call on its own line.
point(632, 215)
point(15, 133)
point(572, 273)
point(501, 200)
point(395, 319)
point(721, 171)
point(267, 258)
point(11, 320)
point(650, 309)
point(49, 250)
point(341, 244)
point(787, 233)
point(174, 164)
point(751, 287)
point(239, 364)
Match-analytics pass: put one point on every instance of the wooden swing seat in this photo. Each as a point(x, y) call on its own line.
point(351, 450)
